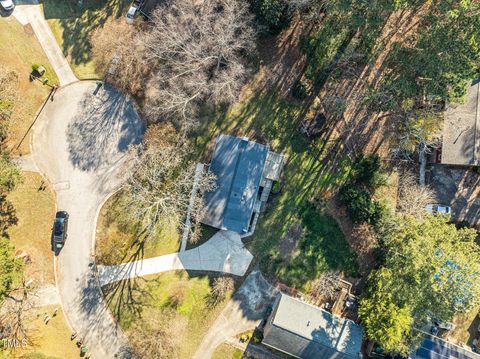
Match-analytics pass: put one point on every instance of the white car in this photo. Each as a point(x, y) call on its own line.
point(7, 5)
point(131, 14)
point(438, 208)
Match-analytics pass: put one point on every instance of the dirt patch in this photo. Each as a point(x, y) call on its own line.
point(281, 63)
point(360, 237)
point(466, 330)
point(289, 243)
point(28, 29)
point(458, 188)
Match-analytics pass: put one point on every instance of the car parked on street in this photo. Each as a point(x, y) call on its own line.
point(7, 5)
point(60, 227)
point(438, 208)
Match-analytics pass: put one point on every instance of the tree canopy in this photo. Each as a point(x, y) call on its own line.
point(9, 174)
point(160, 182)
point(11, 268)
point(439, 59)
point(431, 270)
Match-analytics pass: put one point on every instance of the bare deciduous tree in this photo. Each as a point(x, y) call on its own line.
point(14, 310)
point(117, 39)
point(419, 127)
point(221, 287)
point(161, 135)
point(363, 242)
point(412, 199)
point(158, 339)
point(159, 185)
point(197, 50)
point(326, 286)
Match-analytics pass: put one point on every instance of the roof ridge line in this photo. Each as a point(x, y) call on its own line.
point(242, 145)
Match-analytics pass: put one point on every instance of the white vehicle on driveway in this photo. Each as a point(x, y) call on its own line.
point(438, 208)
point(7, 5)
point(132, 11)
point(131, 14)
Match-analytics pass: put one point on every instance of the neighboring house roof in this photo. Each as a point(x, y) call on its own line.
point(461, 130)
point(238, 164)
point(305, 331)
point(149, 5)
point(433, 347)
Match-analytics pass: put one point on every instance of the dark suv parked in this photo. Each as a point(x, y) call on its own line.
point(60, 226)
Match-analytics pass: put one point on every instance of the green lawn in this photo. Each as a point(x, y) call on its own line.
point(227, 351)
point(313, 169)
point(73, 24)
point(322, 247)
point(19, 50)
point(157, 296)
point(35, 211)
point(117, 239)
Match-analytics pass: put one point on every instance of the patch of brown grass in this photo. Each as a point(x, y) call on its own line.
point(289, 243)
point(19, 50)
point(35, 210)
point(117, 241)
point(52, 339)
point(360, 237)
point(467, 325)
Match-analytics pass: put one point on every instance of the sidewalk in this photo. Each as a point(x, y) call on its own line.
point(188, 222)
point(224, 252)
point(33, 15)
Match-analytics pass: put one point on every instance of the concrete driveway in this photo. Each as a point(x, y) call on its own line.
point(79, 142)
point(31, 12)
point(224, 253)
point(243, 312)
point(458, 187)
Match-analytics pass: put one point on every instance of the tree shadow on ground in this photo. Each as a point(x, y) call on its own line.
point(78, 21)
point(104, 127)
point(315, 168)
point(128, 296)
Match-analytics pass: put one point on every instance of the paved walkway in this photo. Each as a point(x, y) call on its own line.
point(32, 13)
point(224, 252)
point(243, 312)
point(188, 222)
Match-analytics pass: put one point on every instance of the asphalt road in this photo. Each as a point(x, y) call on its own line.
point(79, 143)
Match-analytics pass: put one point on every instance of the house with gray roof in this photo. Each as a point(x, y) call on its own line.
point(461, 130)
point(434, 347)
point(245, 172)
point(305, 331)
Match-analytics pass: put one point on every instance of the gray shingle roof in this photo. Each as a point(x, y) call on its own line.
point(437, 348)
point(238, 164)
point(461, 130)
point(308, 332)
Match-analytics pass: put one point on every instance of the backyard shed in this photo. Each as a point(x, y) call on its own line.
point(240, 166)
point(306, 331)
